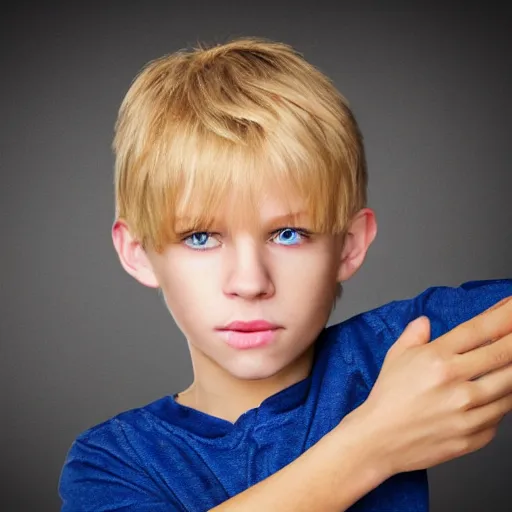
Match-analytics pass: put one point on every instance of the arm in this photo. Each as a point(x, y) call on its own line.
point(432, 402)
point(332, 475)
point(446, 307)
point(102, 474)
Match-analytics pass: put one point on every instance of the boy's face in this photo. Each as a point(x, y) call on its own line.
point(282, 276)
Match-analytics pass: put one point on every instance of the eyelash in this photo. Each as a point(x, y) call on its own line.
point(304, 233)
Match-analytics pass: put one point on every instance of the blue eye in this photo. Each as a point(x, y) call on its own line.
point(285, 236)
point(198, 240)
point(291, 236)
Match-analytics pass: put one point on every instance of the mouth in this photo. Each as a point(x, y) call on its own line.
point(245, 335)
point(248, 339)
point(251, 326)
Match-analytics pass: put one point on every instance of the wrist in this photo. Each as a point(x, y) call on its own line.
point(369, 443)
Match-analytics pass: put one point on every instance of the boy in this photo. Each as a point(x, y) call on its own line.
point(241, 195)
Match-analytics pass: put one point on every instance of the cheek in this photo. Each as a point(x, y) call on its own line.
point(308, 270)
point(186, 287)
point(307, 291)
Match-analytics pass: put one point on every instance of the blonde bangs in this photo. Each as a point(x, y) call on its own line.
point(211, 132)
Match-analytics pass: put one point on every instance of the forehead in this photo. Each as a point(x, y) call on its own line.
point(271, 208)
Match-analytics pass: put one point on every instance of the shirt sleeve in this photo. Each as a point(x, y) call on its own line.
point(446, 307)
point(102, 474)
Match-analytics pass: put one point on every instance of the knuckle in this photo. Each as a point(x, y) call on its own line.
point(441, 371)
point(462, 425)
point(500, 357)
point(465, 398)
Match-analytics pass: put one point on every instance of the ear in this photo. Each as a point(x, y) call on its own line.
point(132, 256)
point(360, 234)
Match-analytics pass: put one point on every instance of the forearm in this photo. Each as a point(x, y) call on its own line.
point(331, 476)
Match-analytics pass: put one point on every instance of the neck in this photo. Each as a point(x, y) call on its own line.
point(217, 393)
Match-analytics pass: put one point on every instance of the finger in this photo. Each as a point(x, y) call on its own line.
point(491, 386)
point(484, 359)
point(492, 324)
point(499, 304)
point(488, 415)
point(480, 439)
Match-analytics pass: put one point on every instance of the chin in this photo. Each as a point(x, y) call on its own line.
point(246, 372)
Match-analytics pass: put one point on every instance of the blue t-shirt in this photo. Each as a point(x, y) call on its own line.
point(168, 457)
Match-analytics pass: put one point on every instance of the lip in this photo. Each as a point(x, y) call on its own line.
point(252, 326)
point(243, 340)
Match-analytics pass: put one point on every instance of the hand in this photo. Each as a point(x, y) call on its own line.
point(437, 401)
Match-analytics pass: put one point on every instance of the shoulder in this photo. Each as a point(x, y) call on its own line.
point(364, 339)
point(117, 430)
point(446, 306)
point(126, 435)
point(106, 464)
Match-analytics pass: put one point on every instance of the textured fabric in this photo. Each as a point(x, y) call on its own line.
point(167, 457)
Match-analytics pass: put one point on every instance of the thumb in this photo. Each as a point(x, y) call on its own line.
point(416, 333)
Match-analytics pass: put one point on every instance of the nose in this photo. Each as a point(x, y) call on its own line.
point(246, 271)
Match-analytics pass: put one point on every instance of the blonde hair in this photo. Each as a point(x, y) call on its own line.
point(196, 126)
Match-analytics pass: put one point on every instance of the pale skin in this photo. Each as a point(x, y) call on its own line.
point(246, 276)
point(406, 423)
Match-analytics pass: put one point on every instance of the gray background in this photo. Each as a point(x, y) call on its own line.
point(82, 341)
